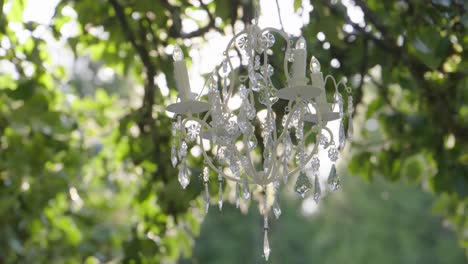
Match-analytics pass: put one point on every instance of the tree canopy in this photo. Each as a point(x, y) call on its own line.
point(85, 172)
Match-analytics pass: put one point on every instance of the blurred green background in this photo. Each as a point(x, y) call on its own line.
point(85, 174)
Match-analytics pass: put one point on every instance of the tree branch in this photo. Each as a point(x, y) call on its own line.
point(176, 29)
point(150, 71)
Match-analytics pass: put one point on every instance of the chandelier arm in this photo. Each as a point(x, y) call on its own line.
point(288, 120)
point(226, 54)
point(234, 39)
point(205, 84)
point(331, 136)
point(337, 85)
point(309, 157)
point(273, 177)
point(288, 46)
point(250, 165)
point(209, 161)
point(205, 155)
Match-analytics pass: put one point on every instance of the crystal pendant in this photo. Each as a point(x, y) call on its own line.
point(220, 196)
point(303, 184)
point(276, 209)
point(266, 245)
point(174, 153)
point(350, 116)
point(245, 189)
point(285, 170)
point(237, 195)
point(184, 177)
point(339, 102)
point(333, 179)
point(252, 142)
point(350, 129)
point(317, 190)
point(207, 197)
point(341, 136)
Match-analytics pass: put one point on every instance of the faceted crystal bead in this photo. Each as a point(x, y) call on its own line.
point(250, 110)
point(300, 131)
point(287, 145)
point(232, 128)
point(284, 120)
point(303, 185)
point(174, 129)
point(258, 83)
point(290, 54)
point(182, 150)
point(300, 156)
point(244, 124)
point(270, 70)
point(184, 174)
point(276, 209)
point(206, 174)
point(333, 179)
point(234, 166)
point(220, 154)
point(266, 245)
point(257, 63)
point(315, 164)
point(317, 190)
point(333, 154)
point(268, 40)
point(264, 98)
point(179, 122)
point(174, 153)
point(273, 95)
point(243, 92)
point(323, 140)
point(245, 189)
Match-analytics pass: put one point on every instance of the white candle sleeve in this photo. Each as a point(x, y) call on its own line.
point(299, 64)
point(182, 80)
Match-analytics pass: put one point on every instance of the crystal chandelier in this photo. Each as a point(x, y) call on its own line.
point(274, 134)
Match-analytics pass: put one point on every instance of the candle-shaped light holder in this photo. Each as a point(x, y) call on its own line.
point(316, 77)
point(187, 104)
point(298, 83)
point(299, 63)
point(181, 75)
point(323, 106)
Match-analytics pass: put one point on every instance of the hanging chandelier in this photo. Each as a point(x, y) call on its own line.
point(276, 133)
